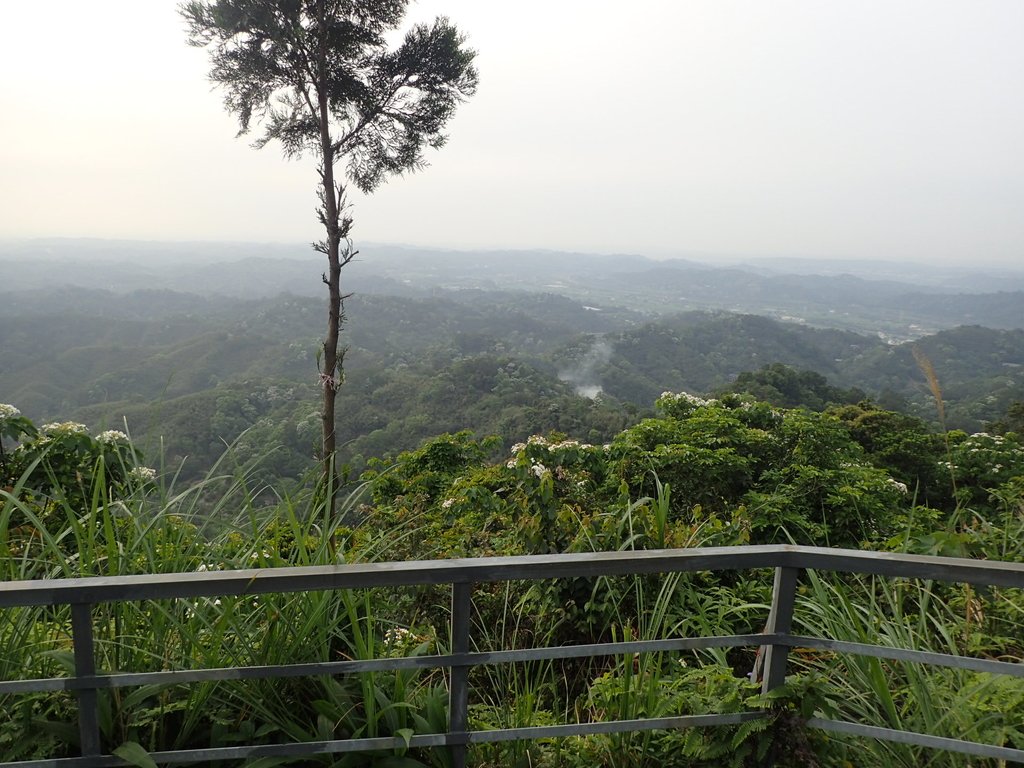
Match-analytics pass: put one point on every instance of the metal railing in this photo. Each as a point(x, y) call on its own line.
point(462, 574)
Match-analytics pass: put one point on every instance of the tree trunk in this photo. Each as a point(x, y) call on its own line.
point(329, 376)
point(331, 216)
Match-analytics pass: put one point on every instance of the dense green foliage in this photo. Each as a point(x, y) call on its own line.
point(724, 471)
point(788, 387)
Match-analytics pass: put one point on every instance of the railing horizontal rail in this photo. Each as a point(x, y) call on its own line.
point(787, 561)
point(933, 658)
point(100, 589)
point(422, 740)
point(303, 749)
point(613, 726)
point(480, 658)
point(918, 739)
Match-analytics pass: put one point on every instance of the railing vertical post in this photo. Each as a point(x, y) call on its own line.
point(779, 620)
point(458, 695)
point(85, 666)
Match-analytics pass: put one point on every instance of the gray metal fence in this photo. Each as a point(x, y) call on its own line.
point(462, 574)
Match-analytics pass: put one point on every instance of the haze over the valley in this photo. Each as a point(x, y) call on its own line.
point(733, 129)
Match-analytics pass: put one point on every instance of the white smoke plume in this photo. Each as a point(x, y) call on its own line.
point(583, 375)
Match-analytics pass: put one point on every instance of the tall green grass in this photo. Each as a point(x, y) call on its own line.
point(908, 696)
point(224, 522)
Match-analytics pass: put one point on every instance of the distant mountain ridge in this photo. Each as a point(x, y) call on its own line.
point(897, 310)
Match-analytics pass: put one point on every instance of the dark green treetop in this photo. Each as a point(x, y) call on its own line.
point(277, 59)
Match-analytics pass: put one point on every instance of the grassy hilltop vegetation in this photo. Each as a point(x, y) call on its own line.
point(554, 411)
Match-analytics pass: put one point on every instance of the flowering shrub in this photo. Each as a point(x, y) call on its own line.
point(14, 426)
point(60, 466)
point(756, 474)
point(713, 471)
point(981, 463)
point(112, 437)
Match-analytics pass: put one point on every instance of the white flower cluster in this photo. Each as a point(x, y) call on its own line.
point(901, 487)
point(64, 428)
point(397, 636)
point(983, 441)
point(570, 444)
point(984, 438)
point(686, 397)
point(544, 442)
point(8, 411)
point(112, 437)
point(143, 474)
point(447, 503)
point(537, 467)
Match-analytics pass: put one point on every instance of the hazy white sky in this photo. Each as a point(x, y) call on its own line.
point(866, 128)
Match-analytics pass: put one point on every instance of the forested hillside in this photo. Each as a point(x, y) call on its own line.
point(194, 373)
